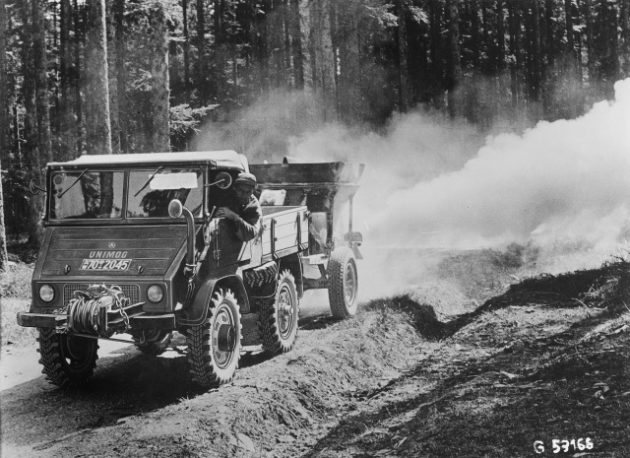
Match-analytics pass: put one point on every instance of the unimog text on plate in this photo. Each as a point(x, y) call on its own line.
point(132, 245)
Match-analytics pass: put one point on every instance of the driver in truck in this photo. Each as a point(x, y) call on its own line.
point(243, 210)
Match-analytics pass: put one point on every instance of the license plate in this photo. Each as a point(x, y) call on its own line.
point(106, 264)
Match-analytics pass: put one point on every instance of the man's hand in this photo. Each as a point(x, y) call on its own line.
point(224, 212)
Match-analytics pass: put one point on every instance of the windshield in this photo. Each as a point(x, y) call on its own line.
point(150, 191)
point(88, 194)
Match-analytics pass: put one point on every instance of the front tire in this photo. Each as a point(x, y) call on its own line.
point(67, 360)
point(214, 347)
point(343, 283)
point(278, 320)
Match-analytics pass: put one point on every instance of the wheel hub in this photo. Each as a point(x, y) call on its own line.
point(285, 312)
point(226, 337)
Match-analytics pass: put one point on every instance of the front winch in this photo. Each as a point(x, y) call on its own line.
point(88, 310)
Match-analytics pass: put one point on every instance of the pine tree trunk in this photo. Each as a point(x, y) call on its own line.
point(590, 44)
point(435, 32)
point(349, 56)
point(202, 69)
point(220, 55)
point(324, 58)
point(112, 80)
point(500, 84)
point(500, 62)
point(534, 68)
point(403, 51)
point(41, 82)
point(610, 57)
point(186, 49)
point(571, 58)
point(4, 88)
point(293, 18)
point(455, 73)
point(157, 46)
point(34, 160)
point(4, 257)
point(275, 43)
point(568, 17)
point(624, 20)
point(306, 40)
point(287, 58)
point(118, 11)
point(515, 51)
point(97, 119)
point(4, 127)
point(67, 132)
point(77, 80)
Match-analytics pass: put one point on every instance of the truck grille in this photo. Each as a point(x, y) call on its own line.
point(130, 291)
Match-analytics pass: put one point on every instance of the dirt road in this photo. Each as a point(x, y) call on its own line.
point(545, 361)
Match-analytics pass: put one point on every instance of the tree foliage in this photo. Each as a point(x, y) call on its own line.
point(172, 65)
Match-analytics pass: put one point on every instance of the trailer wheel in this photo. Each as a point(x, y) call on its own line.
point(152, 342)
point(278, 320)
point(68, 360)
point(214, 347)
point(343, 283)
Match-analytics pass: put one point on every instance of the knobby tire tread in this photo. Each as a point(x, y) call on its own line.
point(54, 365)
point(268, 321)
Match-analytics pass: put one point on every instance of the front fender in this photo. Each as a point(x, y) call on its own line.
point(197, 312)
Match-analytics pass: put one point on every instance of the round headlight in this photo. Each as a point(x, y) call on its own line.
point(155, 293)
point(46, 293)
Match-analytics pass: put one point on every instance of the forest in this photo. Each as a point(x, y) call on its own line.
point(129, 76)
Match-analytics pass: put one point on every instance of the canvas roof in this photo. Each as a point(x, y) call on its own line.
point(222, 159)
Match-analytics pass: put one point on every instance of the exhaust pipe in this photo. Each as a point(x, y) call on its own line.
point(176, 210)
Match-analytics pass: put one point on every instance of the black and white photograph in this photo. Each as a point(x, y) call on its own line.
point(314, 228)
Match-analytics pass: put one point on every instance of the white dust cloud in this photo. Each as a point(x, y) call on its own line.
point(562, 187)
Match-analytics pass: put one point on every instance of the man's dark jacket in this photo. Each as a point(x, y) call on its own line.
point(248, 225)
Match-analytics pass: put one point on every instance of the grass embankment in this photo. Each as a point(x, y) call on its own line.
point(15, 293)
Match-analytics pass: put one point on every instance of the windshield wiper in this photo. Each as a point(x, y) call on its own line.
point(73, 183)
point(158, 170)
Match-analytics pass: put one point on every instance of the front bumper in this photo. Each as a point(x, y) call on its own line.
point(114, 322)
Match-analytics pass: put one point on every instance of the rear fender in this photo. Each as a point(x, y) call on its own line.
point(293, 264)
point(197, 313)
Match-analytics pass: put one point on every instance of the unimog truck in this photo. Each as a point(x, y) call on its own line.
point(131, 246)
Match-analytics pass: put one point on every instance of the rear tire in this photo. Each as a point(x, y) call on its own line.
point(278, 320)
point(209, 365)
point(68, 360)
point(152, 342)
point(343, 283)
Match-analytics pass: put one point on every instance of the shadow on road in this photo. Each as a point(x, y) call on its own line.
point(125, 383)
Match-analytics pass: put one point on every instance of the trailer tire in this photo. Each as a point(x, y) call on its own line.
point(278, 319)
point(67, 360)
point(209, 365)
point(343, 283)
point(152, 342)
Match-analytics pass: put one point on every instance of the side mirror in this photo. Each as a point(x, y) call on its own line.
point(222, 180)
point(175, 208)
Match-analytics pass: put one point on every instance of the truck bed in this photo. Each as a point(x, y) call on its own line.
point(285, 231)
